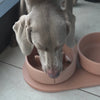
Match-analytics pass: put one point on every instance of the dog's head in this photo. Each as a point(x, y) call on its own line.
point(47, 30)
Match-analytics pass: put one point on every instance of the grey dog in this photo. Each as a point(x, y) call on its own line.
point(48, 25)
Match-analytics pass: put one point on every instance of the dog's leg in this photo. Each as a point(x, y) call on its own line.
point(70, 41)
point(71, 37)
point(74, 2)
point(29, 5)
point(23, 9)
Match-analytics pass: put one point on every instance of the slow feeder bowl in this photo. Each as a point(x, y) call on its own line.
point(89, 53)
point(34, 71)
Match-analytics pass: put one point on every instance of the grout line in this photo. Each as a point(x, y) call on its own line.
point(89, 93)
point(78, 89)
point(10, 64)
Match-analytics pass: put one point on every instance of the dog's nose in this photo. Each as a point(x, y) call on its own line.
point(53, 73)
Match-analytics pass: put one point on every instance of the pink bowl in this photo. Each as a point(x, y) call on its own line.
point(34, 68)
point(89, 53)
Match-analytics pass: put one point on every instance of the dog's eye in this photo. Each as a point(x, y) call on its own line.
point(42, 48)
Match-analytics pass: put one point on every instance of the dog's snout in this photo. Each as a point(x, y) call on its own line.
point(53, 73)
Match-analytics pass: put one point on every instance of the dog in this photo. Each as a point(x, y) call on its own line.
point(75, 2)
point(47, 25)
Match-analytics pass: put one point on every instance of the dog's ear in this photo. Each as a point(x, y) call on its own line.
point(23, 35)
point(62, 4)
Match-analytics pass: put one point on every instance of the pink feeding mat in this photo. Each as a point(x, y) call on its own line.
point(80, 78)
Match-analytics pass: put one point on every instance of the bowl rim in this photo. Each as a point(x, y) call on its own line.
point(79, 51)
point(32, 67)
point(42, 72)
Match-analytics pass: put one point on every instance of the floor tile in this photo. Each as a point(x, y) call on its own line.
point(13, 87)
point(87, 18)
point(94, 90)
point(87, 21)
point(12, 56)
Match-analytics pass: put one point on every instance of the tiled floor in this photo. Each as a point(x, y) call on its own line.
point(12, 84)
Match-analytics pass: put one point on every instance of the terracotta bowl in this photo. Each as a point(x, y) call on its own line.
point(89, 53)
point(34, 69)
